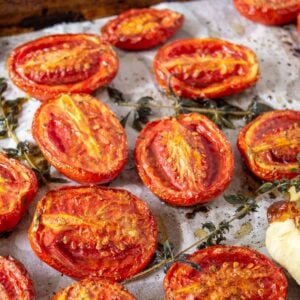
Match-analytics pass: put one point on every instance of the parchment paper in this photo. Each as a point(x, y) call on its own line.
point(279, 86)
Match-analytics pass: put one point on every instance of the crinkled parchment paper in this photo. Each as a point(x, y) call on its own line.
point(279, 86)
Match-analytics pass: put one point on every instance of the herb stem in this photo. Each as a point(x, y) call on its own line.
point(14, 137)
point(221, 225)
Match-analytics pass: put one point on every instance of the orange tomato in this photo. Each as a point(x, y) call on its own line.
point(270, 144)
point(141, 29)
point(96, 289)
point(205, 68)
point(227, 272)
point(18, 187)
point(81, 137)
point(184, 160)
point(14, 281)
point(93, 232)
point(63, 63)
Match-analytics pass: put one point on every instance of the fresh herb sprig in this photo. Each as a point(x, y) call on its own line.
point(215, 234)
point(9, 113)
point(219, 111)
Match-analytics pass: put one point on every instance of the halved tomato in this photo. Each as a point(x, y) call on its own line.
point(96, 289)
point(65, 63)
point(18, 186)
point(141, 29)
point(270, 145)
point(81, 137)
point(93, 232)
point(15, 283)
point(268, 12)
point(184, 160)
point(227, 272)
point(205, 68)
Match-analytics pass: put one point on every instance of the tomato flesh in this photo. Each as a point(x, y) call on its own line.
point(227, 272)
point(15, 283)
point(95, 289)
point(18, 186)
point(211, 68)
point(268, 12)
point(92, 231)
point(184, 160)
point(81, 137)
point(270, 144)
point(141, 29)
point(57, 64)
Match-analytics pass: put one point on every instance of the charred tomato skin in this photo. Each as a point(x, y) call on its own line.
point(96, 289)
point(268, 13)
point(142, 29)
point(217, 264)
point(18, 187)
point(270, 143)
point(82, 121)
point(15, 281)
point(185, 160)
point(205, 68)
point(92, 232)
point(63, 63)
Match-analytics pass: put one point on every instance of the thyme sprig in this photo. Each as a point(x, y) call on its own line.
point(26, 151)
point(215, 234)
point(219, 111)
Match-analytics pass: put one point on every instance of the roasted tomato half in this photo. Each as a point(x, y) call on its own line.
point(205, 68)
point(96, 289)
point(268, 12)
point(15, 283)
point(66, 63)
point(81, 137)
point(227, 272)
point(141, 29)
point(270, 144)
point(184, 160)
point(93, 232)
point(18, 186)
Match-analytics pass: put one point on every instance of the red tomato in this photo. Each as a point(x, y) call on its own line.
point(298, 21)
point(96, 289)
point(18, 186)
point(141, 29)
point(81, 137)
point(184, 160)
point(205, 68)
point(93, 232)
point(270, 144)
point(268, 12)
point(15, 283)
point(227, 272)
point(65, 63)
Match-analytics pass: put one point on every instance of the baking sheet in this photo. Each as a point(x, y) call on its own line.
point(279, 87)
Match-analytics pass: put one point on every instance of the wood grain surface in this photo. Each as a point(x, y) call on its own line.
point(18, 16)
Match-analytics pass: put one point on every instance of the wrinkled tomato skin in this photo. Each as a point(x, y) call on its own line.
point(96, 289)
point(165, 22)
point(81, 137)
point(184, 160)
point(64, 63)
point(226, 274)
point(270, 143)
point(14, 280)
point(265, 13)
point(205, 68)
point(18, 187)
point(88, 231)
